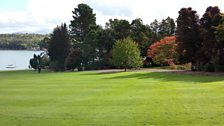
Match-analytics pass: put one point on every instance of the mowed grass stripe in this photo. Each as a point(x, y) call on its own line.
point(125, 98)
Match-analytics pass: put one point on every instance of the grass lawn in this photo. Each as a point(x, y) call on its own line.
point(120, 99)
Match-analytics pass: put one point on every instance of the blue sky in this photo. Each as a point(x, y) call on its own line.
point(41, 16)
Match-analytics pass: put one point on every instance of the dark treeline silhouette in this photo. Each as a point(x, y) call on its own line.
point(200, 40)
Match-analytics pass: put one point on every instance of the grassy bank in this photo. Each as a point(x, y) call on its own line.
point(106, 99)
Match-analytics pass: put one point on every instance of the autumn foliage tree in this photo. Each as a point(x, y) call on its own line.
point(164, 51)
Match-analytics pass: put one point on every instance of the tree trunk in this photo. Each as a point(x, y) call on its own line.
point(125, 66)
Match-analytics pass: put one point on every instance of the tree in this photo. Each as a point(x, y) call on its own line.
point(58, 49)
point(85, 34)
point(105, 45)
point(161, 29)
point(155, 26)
point(120, 28)
point(164, 51)
point(140, 33)
point(73, 59)
point(43, 44)
point(83, 19)
point(219, 33)
point(35, 61)
point(166, 27)
point(126, 54)
point(210, 47)
point(39, 62)
point(187, 35)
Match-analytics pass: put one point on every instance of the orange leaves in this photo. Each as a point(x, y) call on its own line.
point(155, 46)
point(164, 51)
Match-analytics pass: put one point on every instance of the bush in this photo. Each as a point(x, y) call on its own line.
point(73, 59)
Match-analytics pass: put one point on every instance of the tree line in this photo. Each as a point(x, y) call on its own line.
point(85, 45)
point(122, 44)
point(21, 41)
point(200, 40)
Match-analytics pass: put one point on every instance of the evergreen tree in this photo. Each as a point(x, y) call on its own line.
point(210, 47)
point(121, 28)
point(58, 49)
point(83, 19)
point(141, 34)
point(187, 35)
point(85, 34)
point(167, 27)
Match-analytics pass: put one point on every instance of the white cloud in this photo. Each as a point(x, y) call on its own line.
point(41, 16)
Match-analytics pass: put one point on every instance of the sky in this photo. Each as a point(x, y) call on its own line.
point(41, 16)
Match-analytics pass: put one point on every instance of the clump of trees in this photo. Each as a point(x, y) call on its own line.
point(126, 54)
point(200, 40)
point(91, 46)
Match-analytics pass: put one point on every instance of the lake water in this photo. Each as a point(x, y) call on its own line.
point(16, 60)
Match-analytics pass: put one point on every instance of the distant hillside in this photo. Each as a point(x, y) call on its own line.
point(20, 41)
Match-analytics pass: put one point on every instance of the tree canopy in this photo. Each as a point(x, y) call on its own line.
point(126, 54)
point(58, 49)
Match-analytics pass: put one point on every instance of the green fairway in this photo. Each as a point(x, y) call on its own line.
point(110, 99)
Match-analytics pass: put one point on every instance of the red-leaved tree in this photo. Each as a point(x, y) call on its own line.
point(164, 51)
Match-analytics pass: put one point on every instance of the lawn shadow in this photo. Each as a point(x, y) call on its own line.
point(173, 76)
point(102, 72)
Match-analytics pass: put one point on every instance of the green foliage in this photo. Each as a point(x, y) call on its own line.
point(58, 49)
point(35, 61)
point(161, 29)
point(166, 27)
point(85, 34)
point(39, 61)
point(83, 19)
point(56, 66)
point(43, 44)
point(141, 33)
point(219, 33)
point(73, 59)
point(20, 41)
point(121, 28)
point(126, 54)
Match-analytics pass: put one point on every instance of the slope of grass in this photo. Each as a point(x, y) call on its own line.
point(119, 99)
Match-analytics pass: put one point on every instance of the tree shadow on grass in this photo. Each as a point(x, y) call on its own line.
point(171, 76)
point(102, 73)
